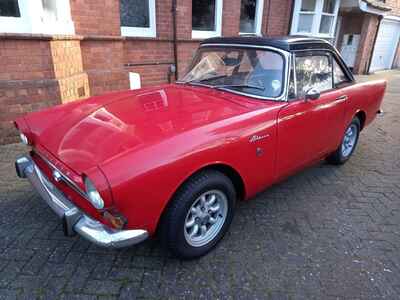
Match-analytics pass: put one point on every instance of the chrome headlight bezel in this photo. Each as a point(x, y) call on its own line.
point(93, 194)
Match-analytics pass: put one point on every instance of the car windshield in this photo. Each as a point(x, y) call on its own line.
point(252, 71)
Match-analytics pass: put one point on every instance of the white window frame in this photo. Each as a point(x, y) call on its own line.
point(32, 19)
point(317, 16)
point(258, 18)
point(150, 31)
point(204, 34)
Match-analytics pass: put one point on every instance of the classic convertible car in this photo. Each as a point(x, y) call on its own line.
point(174, 159)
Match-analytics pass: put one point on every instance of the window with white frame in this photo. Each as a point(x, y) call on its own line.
point(315, 17)
point(251, 12)
point(206, 18)
point(9, 8)
point(36, 16)
point(138, 18)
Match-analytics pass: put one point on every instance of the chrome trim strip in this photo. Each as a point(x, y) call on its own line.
point(285, 54)
point(64, 178)
point(50, 188)
point(246, 46)
point(293, 56)
point(252, 95)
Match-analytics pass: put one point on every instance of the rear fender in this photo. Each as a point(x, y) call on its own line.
point(364, 97)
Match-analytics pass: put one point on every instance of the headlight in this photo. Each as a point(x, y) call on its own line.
point(93, 194)
point(24, 139)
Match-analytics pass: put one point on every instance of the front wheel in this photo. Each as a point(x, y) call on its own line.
point(348, 145)
point(199, 215)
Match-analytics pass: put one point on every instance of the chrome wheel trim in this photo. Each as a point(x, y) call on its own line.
point(349, 140)
point(205, 218)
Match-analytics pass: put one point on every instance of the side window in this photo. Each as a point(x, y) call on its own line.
point(314, 71)
point(338, 75)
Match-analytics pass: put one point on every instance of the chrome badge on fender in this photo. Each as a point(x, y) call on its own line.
point(256, 138)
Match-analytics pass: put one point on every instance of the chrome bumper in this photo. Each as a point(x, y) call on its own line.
point(74, 220)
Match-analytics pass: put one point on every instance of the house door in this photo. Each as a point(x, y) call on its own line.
point(349, 48)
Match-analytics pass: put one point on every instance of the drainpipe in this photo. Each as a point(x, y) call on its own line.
point(268, 16)
point(174, 69)
point(291, 17)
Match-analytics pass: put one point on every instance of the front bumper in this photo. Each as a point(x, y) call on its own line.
point(74, 220)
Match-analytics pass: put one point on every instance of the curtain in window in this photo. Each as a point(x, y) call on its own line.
point(9, 8)
point(135, 13)
point(248, 16)
point(203, 15)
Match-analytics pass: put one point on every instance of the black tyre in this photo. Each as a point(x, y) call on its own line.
point(199, 215)
point(348, 145)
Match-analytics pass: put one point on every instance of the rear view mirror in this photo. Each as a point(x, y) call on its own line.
point(231, 61)
point(312, 94)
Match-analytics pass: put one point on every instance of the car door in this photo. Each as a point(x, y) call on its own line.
point(307, 128)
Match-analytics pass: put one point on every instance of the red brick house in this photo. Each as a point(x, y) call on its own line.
point(55, 51)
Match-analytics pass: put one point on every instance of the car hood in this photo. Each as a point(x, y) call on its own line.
point(88, 133)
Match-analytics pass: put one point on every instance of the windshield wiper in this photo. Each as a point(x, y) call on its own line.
point(212, 78)
point(257, 87)
point(221, 86)
point(204, 79)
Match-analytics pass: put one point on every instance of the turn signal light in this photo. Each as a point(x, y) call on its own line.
point(115, 219)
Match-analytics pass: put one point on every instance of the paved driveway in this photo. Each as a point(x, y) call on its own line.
point(325, 233)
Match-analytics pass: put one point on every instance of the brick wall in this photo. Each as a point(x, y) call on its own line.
point(278, 16)
point(103, 62)
point(20, 96)
point(96, 17)
point(394, 5)
point(68, 69)
point(25, 60)
point(154, 64)
point(164, 19)
point(184, 19)
point(39, 71)
point(186, 53)
point(364, 52)
point(231, 20)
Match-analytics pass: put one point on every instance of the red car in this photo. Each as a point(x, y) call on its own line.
point(174, 159)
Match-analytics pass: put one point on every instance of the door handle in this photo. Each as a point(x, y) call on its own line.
point(342, 98)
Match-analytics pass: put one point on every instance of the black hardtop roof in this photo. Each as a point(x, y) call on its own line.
point(287, 43)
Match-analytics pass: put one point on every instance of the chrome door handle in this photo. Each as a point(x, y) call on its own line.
point(343, 98)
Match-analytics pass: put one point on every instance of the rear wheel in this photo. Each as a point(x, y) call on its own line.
point(199, 215)
point(348, 145)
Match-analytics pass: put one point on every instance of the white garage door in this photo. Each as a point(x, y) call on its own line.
point(386, 45)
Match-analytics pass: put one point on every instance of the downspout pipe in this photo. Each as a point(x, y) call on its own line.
point(175, 41)
point(291, 17)
point(268, 17)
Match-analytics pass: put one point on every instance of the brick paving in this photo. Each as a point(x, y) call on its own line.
point(325, 233)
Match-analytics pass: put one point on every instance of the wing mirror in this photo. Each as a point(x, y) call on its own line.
point(312, 94)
